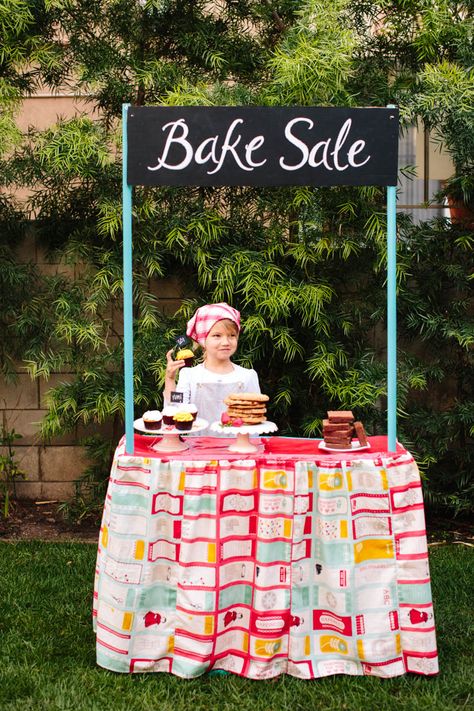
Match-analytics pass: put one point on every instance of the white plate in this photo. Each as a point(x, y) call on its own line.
point(356, 447)
point(263, 428)
point(198, 425)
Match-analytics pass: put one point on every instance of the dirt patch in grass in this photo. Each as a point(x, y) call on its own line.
point(442, 530)
point(30, 520)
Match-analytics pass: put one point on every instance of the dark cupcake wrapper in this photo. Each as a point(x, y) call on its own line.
point(183, 426)
point(152, 425)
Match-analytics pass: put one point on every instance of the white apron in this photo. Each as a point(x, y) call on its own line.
point(209, 400)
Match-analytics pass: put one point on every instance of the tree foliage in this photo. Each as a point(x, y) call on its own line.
point(305, 266)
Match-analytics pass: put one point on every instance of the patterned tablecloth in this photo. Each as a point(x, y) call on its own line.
point(293, 561)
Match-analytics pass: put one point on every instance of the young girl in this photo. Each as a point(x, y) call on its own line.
point(216, 328)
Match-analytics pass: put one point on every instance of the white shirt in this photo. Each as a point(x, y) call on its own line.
point(207, 390)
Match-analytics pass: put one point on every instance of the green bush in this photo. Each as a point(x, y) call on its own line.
point(305, 266)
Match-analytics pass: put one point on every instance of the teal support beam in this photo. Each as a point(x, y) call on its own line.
point(392, 317)
point(127, 289)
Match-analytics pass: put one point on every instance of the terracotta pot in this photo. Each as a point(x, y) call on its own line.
point(461, 214)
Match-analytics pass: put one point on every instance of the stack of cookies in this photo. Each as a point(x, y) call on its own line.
point(245, 409)
point(340, 428)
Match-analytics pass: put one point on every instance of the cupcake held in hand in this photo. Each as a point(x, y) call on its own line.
point(187, 355)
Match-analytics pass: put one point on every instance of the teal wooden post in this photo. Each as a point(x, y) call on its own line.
point(392, 317)
point(127, 289)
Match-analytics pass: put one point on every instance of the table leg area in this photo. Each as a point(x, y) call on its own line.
point(264, 566)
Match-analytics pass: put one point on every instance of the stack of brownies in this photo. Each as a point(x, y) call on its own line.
point(340, 428)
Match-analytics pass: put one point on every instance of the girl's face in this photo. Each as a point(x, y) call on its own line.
point(221, 341)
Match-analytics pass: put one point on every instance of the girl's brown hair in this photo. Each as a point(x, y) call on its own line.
point(230, 326)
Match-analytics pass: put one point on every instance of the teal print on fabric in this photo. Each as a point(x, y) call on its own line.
point(157, 597)
point(110, 662)
point(300, 598)
point(235, 595)
point(415, 594)
point(200, 504)
point(187, 669)
point(332, 553)
point(131, 500)
point(273, 552)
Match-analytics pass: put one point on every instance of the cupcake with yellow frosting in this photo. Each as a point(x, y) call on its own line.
point(187, 355)
point(183, 421)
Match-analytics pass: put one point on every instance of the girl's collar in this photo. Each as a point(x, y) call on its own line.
point(218, 372)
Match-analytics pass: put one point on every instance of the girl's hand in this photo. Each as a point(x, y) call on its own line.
point(172, 366)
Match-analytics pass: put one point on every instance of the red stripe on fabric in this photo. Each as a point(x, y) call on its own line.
point(190, 655)
point(420, 655)
point(400, 460)
point(405, 487)
point(108, 629)
point(383, 664)
point(403, 509)
point(109, 646)
point(411, 534)
point(118, 482)
point(123, 468)
point(200, 490)
point(418, 629)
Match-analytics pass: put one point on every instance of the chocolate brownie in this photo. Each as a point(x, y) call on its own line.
point(335, 426)
point(338, 416)
point(360, 433)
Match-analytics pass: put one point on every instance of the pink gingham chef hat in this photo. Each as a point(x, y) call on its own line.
point(205, 318)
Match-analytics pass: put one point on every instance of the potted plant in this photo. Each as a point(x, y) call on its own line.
point(445, 102)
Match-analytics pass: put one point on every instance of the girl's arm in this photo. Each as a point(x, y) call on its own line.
point(172, 367)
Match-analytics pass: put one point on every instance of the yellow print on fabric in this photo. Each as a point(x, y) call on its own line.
point(330, 643)
point(139, 550)
point(275, 479)
point(330, 481)
point(105, 536)
point(127, 621)
point(267, 647)
point(373, 549)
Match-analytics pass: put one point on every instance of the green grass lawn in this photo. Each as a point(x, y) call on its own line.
point(47, 649)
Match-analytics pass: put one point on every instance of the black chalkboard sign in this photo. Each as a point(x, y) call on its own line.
point(176, 396)
point(261, 146)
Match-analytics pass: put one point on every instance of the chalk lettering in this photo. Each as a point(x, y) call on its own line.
point(320, 154)
point(181, 140)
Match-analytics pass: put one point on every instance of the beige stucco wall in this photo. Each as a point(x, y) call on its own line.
point(52, 467)
point(43, 109)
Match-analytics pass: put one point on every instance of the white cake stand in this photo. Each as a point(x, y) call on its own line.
point(170, 441)
point(242, 444)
